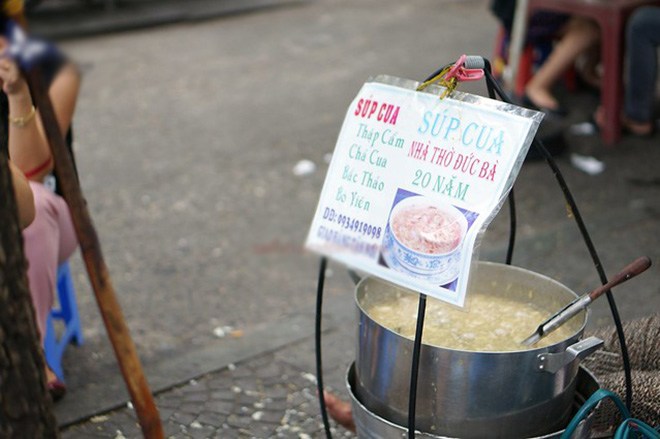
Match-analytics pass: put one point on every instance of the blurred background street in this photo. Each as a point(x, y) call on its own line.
point(187, 138)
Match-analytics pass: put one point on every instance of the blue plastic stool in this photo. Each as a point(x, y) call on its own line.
point(68, 313)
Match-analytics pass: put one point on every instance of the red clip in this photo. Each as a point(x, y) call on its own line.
point(462, 74)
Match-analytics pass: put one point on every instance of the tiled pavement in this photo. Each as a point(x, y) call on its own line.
point(271, 396)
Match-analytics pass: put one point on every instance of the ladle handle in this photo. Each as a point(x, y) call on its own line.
point(631, 270)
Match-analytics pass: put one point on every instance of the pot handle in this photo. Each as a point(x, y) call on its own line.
point(551, 363)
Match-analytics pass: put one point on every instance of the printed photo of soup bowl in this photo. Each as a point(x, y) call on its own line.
point(425, 238)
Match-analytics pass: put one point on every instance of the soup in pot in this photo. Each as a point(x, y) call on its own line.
point(492, 323)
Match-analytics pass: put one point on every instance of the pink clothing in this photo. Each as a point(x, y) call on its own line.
point(49, 241)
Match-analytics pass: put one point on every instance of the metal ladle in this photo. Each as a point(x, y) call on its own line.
point(636, 267)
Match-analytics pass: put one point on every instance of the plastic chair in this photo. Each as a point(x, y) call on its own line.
point(68, 313)
point(611, 16)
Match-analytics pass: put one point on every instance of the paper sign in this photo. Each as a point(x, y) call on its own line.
point(412, 181)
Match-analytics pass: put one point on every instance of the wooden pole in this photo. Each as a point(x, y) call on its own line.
point(97, 271)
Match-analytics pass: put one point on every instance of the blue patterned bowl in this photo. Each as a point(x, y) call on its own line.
point(411, 255)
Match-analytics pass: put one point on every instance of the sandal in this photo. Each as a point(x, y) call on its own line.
point(627, 126)
point(559, 112)
point(635, 128)
point(57, 389)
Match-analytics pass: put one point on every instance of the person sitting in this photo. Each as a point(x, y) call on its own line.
point(50, 238)
point(24, 197)
point(578, 37)
point(643, 39)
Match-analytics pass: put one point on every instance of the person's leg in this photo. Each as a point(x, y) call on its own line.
point(580, 34)
point(340, 411)
point(643, 38)
point(587, 66)
point(48, 241)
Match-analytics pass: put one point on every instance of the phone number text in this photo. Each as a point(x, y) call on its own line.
point(352, 224)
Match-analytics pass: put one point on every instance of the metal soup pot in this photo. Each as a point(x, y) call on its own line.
point(470, 394)
point(371, 426)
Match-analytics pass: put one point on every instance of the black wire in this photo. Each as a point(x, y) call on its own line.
point(417, 344)
point(588, 242)
point(319, 362)
point(354, 276)
point(493, 86)
point(489, 84)
point(597, 263)
point(512, 227)
point(437, 72)
point(512, 201)
point(414, 370)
